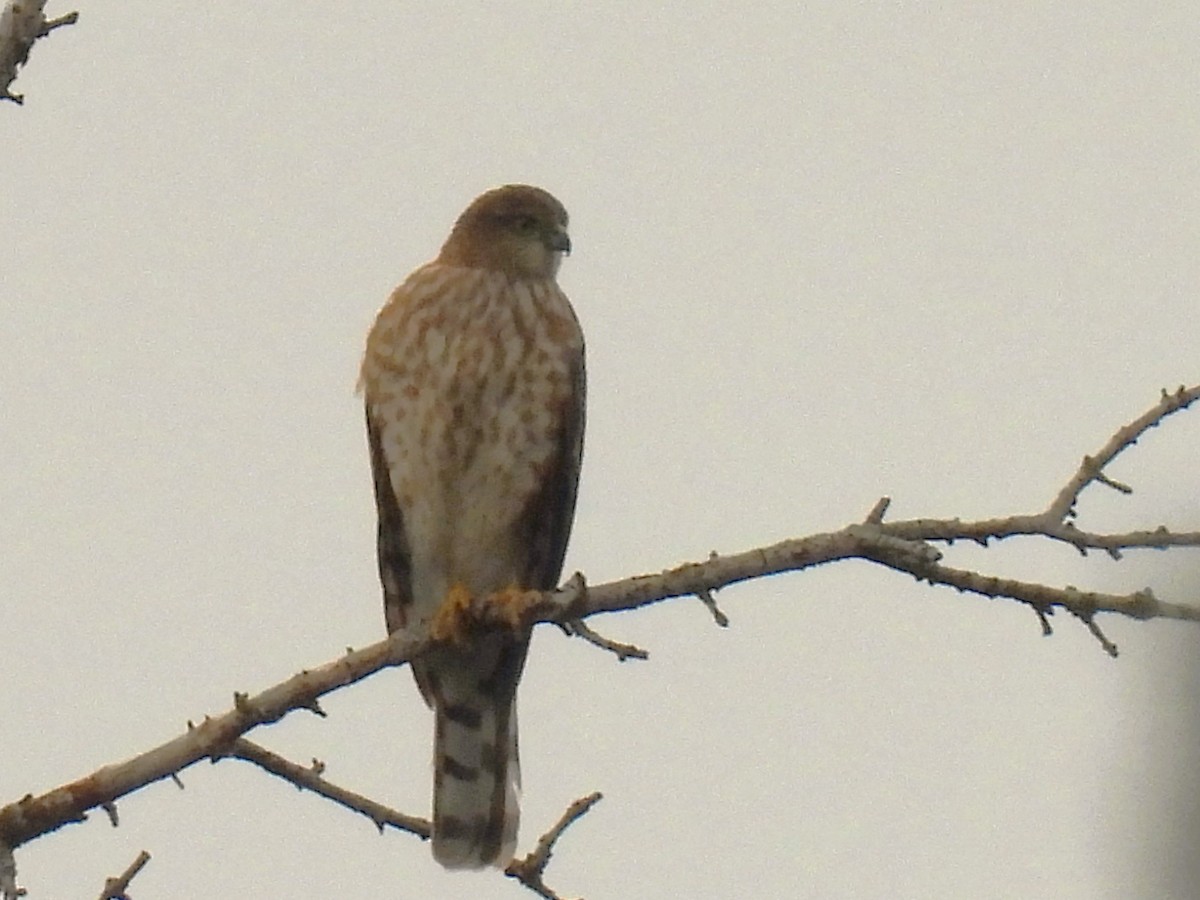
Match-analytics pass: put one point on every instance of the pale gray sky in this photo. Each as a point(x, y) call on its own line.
point(821, 254)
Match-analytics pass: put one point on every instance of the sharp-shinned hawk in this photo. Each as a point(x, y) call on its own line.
point(474, 385)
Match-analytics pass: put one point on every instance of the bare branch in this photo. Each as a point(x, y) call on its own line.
point(575, 590)
point(623, 651)
point(115, 888)
point(32, 816)
point(1043, 618)
point(1040, 525)
point(531, 870)
point(1092, 467)
point(906, 546)
point(69, 19)
point(1138, 605)
point(1108, 646)
point(310, 779)
point(22, 22)
point(878, 511)
point(707, 598)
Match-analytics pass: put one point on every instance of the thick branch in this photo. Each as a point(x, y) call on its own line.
point(35, 816)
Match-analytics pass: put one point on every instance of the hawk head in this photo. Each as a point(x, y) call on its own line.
point(517, 229)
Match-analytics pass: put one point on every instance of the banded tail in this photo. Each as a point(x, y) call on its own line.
point(477, 774)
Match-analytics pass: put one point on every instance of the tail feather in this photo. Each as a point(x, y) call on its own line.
point(477, 779)
point(477, 775)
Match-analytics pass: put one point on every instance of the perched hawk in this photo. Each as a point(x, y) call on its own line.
point(474, 386)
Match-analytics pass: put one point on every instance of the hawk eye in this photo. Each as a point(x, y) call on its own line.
point(524, 224)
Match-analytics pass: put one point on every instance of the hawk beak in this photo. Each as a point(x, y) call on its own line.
point(560, 241)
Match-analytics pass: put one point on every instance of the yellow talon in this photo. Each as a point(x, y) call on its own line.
point(512, 605)
point(453, 618)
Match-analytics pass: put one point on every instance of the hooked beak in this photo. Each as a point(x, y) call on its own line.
point(559, 240)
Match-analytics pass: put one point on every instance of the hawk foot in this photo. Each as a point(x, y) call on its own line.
point(453, 618)
point(513, 605)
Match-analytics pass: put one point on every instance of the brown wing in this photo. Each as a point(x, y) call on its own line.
point(550, 514)
point(395, 562)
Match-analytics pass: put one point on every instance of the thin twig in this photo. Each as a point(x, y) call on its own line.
point(707, 598)
point(310, 779)
point(69, 19)
point(1044, 619)
point(1141, 604)
point(1119, 486)
point(1090, 621)
point(875, 516)
point(115, 888)
point(579, 628)
point(8, 875)
point(982, 531)
point(531, 870)
point(1093, 466)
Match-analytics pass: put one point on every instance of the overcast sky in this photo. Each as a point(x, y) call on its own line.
point(821, 255)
